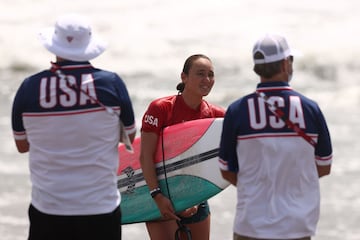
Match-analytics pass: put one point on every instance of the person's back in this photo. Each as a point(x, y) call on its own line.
point(278, 180)
point(72, 139)
point(275, 169)
point(62, 117)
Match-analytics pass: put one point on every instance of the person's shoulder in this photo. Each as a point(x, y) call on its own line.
point(216, 109)
point(159, 109)
point(37, 76)
point(107, 73)
point(242, 100)
point(41, 73)
point(240, 104)
point(162, 104)
point(305, 99)
point(167, 100)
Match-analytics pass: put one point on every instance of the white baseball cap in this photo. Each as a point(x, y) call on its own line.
point(71, 38)
point(273, 47)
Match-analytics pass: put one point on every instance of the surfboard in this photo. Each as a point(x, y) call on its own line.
point(186, 165)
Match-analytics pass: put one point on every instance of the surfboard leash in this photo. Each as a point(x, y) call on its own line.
point(164, 165)
point(124, 137)
point(181, 227)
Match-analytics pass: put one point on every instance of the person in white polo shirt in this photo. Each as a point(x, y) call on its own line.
point(275, 146)
point(70, 119)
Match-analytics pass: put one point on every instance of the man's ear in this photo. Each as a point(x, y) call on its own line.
point(285, 66)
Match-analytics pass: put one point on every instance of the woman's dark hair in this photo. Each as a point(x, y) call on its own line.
point(187, 65)
point(180, 87)
point(189, 61)
point(266, 70)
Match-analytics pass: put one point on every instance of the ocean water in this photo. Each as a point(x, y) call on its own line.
point(148, 41)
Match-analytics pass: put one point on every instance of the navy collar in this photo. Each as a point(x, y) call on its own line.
point(68, 62)
point(269, 86)
point(69, 65)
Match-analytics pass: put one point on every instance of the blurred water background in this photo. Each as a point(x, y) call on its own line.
point(148, 42)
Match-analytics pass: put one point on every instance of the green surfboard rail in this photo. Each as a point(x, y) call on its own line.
point(185, 191)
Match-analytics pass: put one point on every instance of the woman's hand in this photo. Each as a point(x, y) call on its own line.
point(189, 212)
point(165, 206)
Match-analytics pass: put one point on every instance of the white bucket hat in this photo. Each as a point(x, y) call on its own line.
point(71, 39)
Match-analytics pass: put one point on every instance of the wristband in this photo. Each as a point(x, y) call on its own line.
point(155, 192)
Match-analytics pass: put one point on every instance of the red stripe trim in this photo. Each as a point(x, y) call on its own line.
point(271, 135)
point(130, 127)
point(267, 89)
point(323, 158)
point(223, 162)
point(64, 113)
point(19, 133)
point(75, 66)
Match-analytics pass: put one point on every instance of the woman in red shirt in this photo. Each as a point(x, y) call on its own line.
point(197, 81)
